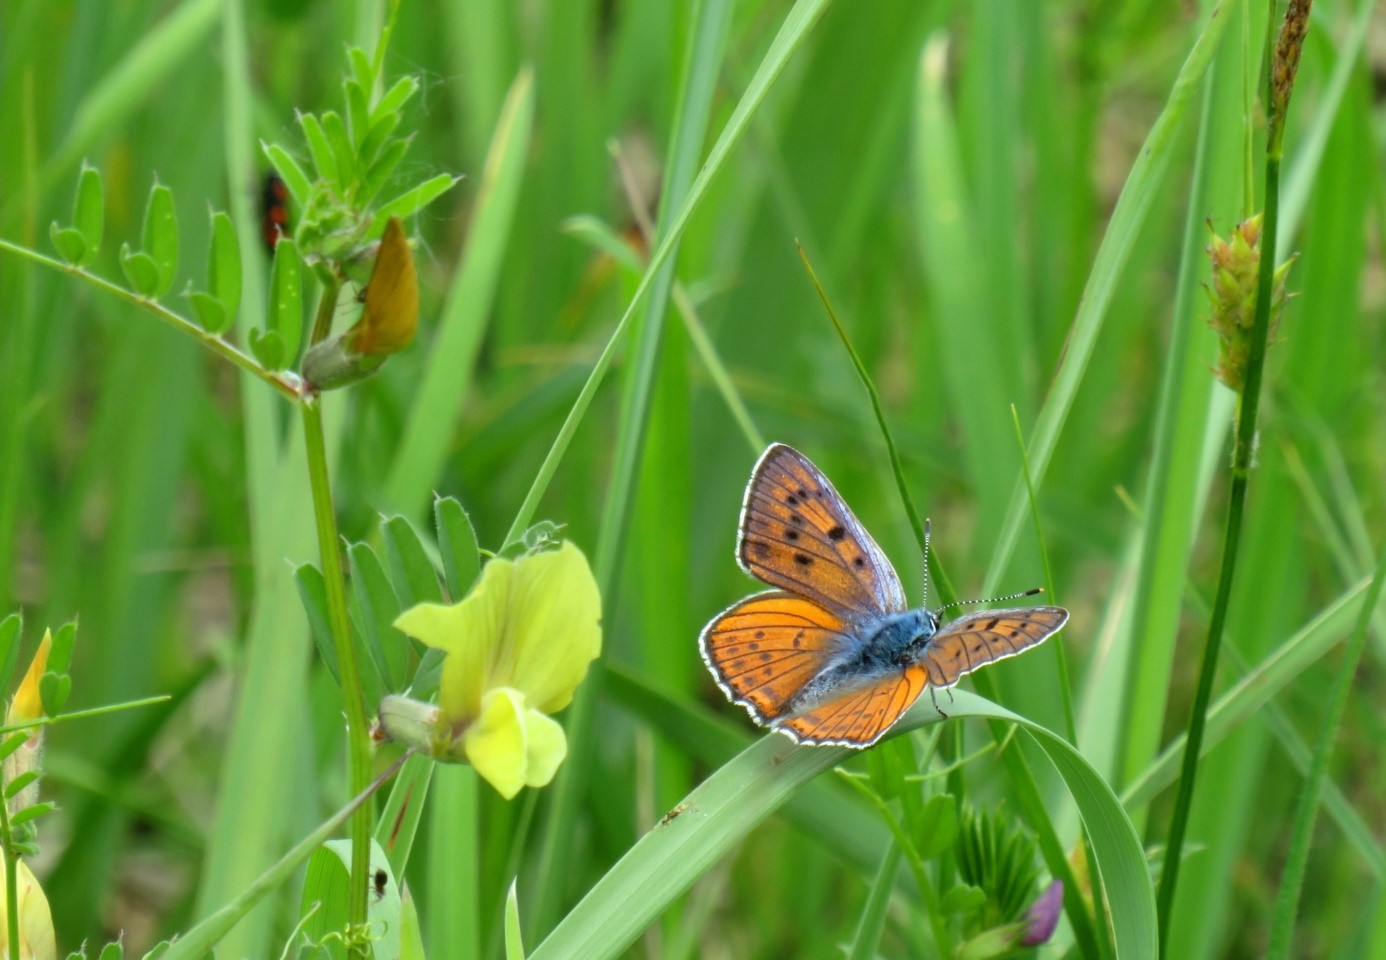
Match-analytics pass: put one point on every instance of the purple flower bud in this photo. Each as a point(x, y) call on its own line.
point(1043, 915)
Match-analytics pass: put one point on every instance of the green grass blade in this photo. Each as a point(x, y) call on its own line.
point(705, 50)
point(454, 924)
point(795, 29)
point(873, 914)
point(1305, 165)
point(1132, 207)
point(1306, 813)
point(437, 404)
point(1171, 508)
point(963, 289)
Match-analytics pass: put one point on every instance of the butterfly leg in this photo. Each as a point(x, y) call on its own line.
point(934, 697)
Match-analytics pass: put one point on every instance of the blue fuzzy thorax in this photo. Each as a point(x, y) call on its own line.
point(878, 648)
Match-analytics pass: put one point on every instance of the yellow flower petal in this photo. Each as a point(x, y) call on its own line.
point(532, 624)
point(554, 626)
point(496, 742)
point(545, 746)
point(27, 704)
point(36, 940)
point(468, 632)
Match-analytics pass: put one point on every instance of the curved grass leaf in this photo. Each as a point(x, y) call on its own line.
point(738, 797)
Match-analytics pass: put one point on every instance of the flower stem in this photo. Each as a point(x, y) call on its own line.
point(289, 384)
point(11, 879)
point(1243, 457)
point(358, 737)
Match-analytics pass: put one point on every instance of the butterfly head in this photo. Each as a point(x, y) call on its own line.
point(925, 625)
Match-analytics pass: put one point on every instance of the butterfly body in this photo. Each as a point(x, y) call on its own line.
point(875, 651)
point(835, 655)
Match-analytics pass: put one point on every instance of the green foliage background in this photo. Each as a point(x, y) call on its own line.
point(951, 170)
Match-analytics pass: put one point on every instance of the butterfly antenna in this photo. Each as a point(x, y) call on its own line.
point(1010, 596)
point(928, 529)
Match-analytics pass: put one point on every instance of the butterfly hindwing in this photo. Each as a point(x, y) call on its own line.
point(798, 534)
point(861, 717)
point(765, 649)
point(977, 639)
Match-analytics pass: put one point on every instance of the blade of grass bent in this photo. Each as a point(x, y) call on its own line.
point(1132, 206)
point(791, 36)
point(830, 816)
point(742, 793)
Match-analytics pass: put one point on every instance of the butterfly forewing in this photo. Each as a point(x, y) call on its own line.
point(763, 650)
point(861, 717)
point(798, 534)
point(977, 639)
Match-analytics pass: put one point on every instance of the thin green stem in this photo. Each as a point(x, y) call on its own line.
point(11, 876)
point(327, 306)
point(933, 908)
point(83, 714)
point(1060, 655)
point(358, 737)
point(1243, 456)
point(289, 384)
point(895, 463)
point(1084, 930)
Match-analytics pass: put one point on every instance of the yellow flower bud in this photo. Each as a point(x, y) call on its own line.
point(28, 705)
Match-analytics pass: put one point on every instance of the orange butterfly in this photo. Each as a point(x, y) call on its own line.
point(835, 655)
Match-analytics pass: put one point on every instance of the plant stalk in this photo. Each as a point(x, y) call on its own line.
point(1243, 457)
point(358, 736)
point(11, 878)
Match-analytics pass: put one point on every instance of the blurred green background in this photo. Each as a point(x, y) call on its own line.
point(951, 169)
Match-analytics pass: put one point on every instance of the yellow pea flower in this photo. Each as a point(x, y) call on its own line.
point(36, 940)
point(28, 705)
point(517, 647)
